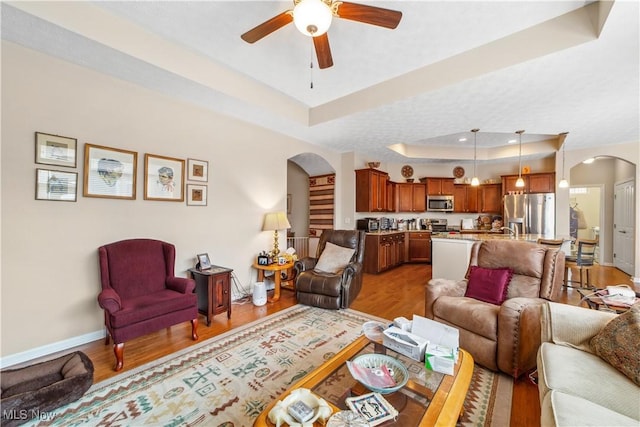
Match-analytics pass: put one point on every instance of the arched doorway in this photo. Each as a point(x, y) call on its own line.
point(310, 200)
point(610, 214)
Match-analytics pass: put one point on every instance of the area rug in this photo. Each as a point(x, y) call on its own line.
point(228, 380)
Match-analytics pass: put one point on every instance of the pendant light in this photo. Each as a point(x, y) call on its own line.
point(475, 181)
point(563, 182)
point(520, 181)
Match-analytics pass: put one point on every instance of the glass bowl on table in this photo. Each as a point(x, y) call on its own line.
point(379, 373)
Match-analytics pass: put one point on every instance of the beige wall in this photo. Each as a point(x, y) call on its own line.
point(298, 188)
point(49, 270)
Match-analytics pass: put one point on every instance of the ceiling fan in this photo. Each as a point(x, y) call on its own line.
point(313, 18)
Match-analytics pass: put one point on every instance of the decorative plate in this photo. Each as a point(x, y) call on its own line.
point(407, 171)
point(458, 172)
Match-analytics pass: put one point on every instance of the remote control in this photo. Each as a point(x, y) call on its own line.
point(300, 411)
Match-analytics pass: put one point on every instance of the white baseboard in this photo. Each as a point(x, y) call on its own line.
point(45, 350)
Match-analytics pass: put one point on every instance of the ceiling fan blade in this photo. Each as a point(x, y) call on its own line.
point(323, 51)
point(370, 14)
point(268, 27)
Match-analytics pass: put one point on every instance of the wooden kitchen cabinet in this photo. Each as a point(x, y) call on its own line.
point(419, 246)
point(490, 197)
point(391, 196)
point(465, 198)
point(371, 190)
point(544, 182)
point(411, 197)
point(384, 251)
point(440, 186)
point(213, 291)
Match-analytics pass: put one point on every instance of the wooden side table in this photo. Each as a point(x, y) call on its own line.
point(213, 289)
point(276, 276)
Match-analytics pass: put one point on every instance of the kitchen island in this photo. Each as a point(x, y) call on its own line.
point(451, 251)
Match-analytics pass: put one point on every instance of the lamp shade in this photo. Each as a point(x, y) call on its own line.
point(275, 221)
point(312, 17)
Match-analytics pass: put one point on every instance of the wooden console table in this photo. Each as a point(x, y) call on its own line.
point(213, 289)
point(276, 276)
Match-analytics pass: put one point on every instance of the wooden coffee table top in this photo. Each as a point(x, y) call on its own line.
point(428, 399)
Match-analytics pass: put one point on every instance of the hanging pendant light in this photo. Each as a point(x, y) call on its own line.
point(563, 182)
point(520, 181)
point(475, 181)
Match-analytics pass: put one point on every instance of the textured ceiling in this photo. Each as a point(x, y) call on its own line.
point(450, 66)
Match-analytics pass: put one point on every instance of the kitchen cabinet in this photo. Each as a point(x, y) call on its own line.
point(371, 190)
point(419, 246)
point(440, 186)
point(543, 182)
point(384, 251)
point(465, 198)
point(490, 197)
point(391, 196)
point(411, 197)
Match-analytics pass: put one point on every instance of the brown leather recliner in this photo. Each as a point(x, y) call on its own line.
point(331, 290)
point(501, 337)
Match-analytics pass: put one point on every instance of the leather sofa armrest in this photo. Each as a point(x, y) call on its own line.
point(304, 264)
point(181, 284)
point(353, 268)
point(109, 300)
point(519, 334)
point(572, 326)
point(441, 287)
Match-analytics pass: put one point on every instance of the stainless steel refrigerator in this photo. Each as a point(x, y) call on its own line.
point(531, 213)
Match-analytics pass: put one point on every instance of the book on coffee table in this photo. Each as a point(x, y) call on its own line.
point(372, 407)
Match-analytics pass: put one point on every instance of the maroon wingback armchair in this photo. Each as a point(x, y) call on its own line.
point(140, 293)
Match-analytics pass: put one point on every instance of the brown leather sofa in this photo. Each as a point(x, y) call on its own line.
point(502, 337)
point(331, 290)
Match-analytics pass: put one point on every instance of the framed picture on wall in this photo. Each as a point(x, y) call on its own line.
point(196, 195)
point(198, 170)
point(56, 185)
point(55, 150)
point(163, 178)
point(109, 172)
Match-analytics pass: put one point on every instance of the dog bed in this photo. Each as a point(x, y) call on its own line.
point(34, 391)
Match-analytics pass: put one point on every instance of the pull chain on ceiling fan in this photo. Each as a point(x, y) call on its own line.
point(313, 18)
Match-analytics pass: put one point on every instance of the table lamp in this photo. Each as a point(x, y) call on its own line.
point(275, 221)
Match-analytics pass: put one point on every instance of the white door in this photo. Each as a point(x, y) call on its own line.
point(623, 230)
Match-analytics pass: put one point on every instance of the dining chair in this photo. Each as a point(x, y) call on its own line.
point(583, 261)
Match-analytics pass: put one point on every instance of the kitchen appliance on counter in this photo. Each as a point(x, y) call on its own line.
point(440, 203)
point(368, 224)
point(385, 224)
point(439, 225)
point(530, 213)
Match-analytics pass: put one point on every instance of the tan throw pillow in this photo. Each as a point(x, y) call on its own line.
point(619, 343)
point(334, 258)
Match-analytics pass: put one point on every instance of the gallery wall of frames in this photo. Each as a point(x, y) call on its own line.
point(111, 173)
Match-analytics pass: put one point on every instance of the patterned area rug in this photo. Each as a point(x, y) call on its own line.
point(228, 380)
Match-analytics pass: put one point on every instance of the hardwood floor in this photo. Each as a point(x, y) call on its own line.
point(395, 293)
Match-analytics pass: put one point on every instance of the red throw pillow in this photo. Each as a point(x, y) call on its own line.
point(488, 284)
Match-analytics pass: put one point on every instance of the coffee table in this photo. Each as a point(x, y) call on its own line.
point(594, 299)
point(428, 399)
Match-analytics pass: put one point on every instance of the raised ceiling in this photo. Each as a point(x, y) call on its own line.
point(404, 95)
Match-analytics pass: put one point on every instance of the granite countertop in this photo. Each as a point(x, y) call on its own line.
point(383, 233)
point(487, 236)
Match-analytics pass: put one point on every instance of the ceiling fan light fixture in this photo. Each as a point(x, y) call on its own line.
point(312, 17)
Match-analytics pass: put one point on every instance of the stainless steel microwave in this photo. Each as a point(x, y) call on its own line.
point(440, 203)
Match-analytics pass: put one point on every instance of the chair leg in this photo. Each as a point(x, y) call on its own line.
point(118, 350)
point(194, 329)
